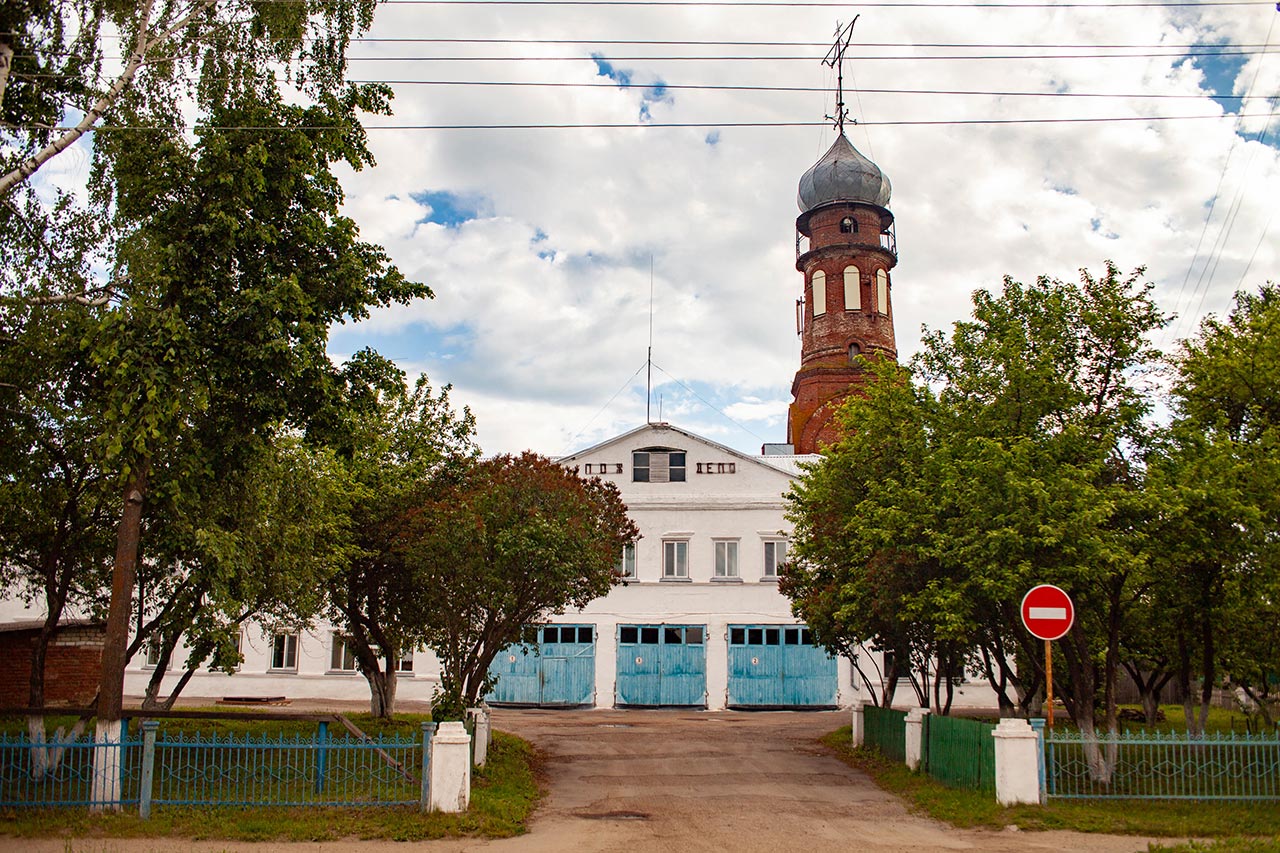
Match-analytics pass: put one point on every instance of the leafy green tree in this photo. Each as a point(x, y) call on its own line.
point(262, 545)
point(1026, 431)
point(510, 542)
point(395, 443)
point(1221, 475)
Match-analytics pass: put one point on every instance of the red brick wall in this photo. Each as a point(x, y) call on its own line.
point(71, 669)
point(826, 376)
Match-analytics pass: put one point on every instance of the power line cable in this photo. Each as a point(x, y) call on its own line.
point(657, 124)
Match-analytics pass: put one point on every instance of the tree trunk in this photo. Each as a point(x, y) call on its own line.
point(382, 692)
point(124, 571)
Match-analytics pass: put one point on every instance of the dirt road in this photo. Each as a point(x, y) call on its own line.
point(642, 781)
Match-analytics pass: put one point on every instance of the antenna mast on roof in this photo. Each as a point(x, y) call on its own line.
point(835, 59)
point(648, 382)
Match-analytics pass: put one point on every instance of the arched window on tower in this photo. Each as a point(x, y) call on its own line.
point(882, 291)
point(819, 282)
point(855, 350)
point(852, 289)
point(848, 225)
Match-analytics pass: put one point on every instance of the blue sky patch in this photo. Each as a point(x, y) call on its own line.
point(448, 208)
point(413, 343)
point(713, 138)
point(1220, 73)
point(651, 94)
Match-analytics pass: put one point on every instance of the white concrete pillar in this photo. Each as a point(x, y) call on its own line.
point(859, 723)
point(107, 759)
point(1017, 763)
point(451, 768)
point(481, 717)
point(915, 737)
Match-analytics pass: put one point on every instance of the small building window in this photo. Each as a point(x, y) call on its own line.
point(675, 558)
point(775, 554)
point(882, 291)
point(658, 465)
point(153, 654)
point(848, 225)
point(284, 652)
point(855, 350)
point(726, 559)
point(627, 563)
point(852, 289)
point(819, 282)
point(342, 658)
point(405, 663)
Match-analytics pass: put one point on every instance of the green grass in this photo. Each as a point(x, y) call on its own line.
point(503, 795)
point(1228, 845)
point(1169, 819)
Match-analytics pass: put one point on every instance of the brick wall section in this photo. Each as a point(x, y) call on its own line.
point(826, 375)
point(72, 666)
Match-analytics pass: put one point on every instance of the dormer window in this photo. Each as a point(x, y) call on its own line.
point(848, 225)
point(658, 465)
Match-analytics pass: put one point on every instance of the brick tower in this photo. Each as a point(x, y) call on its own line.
point(845, 246)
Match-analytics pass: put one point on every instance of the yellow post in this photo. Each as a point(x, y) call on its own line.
point(1048, 683)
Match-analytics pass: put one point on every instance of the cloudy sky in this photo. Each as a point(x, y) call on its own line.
point(543, 244)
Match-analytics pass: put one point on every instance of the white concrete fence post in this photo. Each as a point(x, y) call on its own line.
point(450, 768)
point(480, 717)
point(1017, 763)
point(859, 724)
point(915, 737)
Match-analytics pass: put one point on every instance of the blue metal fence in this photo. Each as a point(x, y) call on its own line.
point(59, 771)
point(1158, 765)
point(241, 770)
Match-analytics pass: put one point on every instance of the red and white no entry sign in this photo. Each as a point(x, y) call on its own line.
point(1047, 612)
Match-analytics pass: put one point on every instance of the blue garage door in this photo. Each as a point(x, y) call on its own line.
point(778, 666)
point(662, 665)
point(559, 671)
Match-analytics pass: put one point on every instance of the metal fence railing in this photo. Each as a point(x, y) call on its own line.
point(1157, 765)
point(960, 753)
point(59, 771)
point(886, 730)
point(242, 770)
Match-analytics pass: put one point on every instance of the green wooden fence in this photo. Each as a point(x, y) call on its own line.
point(960, 753)
point(886, 730)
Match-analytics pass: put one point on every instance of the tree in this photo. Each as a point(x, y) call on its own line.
point(262, 545)
point(394, 443)
point(1024, 466)
point(510, 542)
point(1221, 473)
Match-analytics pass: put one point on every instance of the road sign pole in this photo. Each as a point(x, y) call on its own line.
point(1048, 683)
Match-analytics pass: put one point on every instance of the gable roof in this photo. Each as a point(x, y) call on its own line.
point(784, 464)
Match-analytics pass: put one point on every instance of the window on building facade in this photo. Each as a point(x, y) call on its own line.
point(775, 554)
point(658, 465)
point(848, 225)
point(819, 281)
point(627, 563)
point(342, 659)
point(852, 289)
point(855, 350)
point(284, 651)
point(405, 663)
point(882, 291)
point(675, 558)
point(153, 654)
point(726, 565)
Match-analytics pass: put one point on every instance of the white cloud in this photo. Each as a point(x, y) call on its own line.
point(541, 308)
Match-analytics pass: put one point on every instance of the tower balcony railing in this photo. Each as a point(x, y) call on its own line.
point(888, 242)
